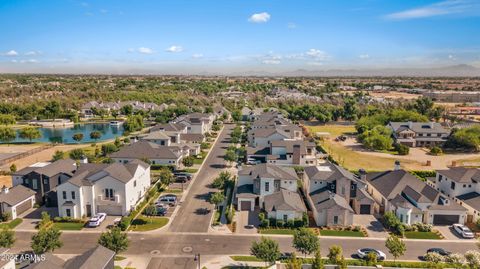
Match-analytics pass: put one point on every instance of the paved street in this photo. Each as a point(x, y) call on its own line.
point(190, 217)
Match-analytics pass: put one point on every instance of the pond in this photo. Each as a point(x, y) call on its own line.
point(64, 135)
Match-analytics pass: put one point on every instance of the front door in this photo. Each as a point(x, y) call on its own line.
point(89, 210)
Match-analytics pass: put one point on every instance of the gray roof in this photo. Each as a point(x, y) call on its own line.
point(461, 174)
point(419, 127)
point(192, 137)
point(88, 173)
point(327, 171)
point(246, 191)
point(286, 131)
point(170, 127)
point(98, 257)
point(400, 201)
point(66, 166)
point(289, 145)
point(145, 149)
point(426, 194)
point(16, 195)
point(324, 199)
point(391, 183)
point(156, 135)
point(266, 170)
point(51, 262)
point(284, 200)
point(472, 199)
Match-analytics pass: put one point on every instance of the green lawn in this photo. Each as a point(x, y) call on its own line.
point(341, 233)
point(190, 170)
point(422, 235)
point(276, 231)
point(71, 226)
point(143, 223)
point(12, 224)
point(245, 259)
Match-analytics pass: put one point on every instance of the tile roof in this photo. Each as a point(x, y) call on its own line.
point(327, 171)
point(324, 199)
point(461, 174)
point(419, 127)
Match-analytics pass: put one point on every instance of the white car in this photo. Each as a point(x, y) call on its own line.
point(463, 230)
point(96, 220)
point(253, 161)
point(363, 252)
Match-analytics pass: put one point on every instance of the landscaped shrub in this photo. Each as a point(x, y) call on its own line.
point(290, 223)
point(6, 216)
point(273, 222)
point(371, 259)
point(124, 223)
point(265, 223)
point(435, 151)
point(280, 223)
point(422, 227)
point(402, 149)
point(299, 223)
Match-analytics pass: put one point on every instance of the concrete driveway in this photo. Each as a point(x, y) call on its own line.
point(245, 218)
point(32, 216)
point(374, 227)
point(449, 233)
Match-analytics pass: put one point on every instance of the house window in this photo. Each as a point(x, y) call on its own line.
point(335, 220)
point(452, 185)
point(285, 218)
point(68, 212)
point(64, 195)
point(440, 178)
point(134, 183)
point(73, 195)
point(109, 194)
point(267, 186)
point(45, 181)
point(34, 184)
point(464, 185)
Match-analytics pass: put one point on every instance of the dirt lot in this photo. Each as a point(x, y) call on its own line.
point(354, 156)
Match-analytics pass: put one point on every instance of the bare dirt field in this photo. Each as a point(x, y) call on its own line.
point(395, 95)
point(353, 156)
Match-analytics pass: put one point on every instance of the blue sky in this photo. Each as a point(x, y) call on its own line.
point(235, 35)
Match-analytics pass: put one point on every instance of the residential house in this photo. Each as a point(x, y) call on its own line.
point(419, 134)
point(44, 177)
point(292, 152)
point(262, 137)
point(462, 185)
point(154, 153)
point(170, 127)
point(98, 257)
point(220, 111)
point(172, 139)
point(16, 200)
point(114, 189)
point(271, 187)
point(197, 123)
point(411, 199)
point(335, 194)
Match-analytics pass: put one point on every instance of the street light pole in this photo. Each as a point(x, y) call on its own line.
point(197, 259)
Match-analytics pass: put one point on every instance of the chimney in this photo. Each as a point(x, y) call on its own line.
point(84, 159)
point(5, 189)
point(363, 174)
point(396, 166)
point(410, 125)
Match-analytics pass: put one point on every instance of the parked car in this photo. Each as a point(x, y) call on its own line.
point(181, 179)
point(253, 161)
point(171, 200)
point(363, 253)
point(162, 204)
point(285, 255)
point(161, 211)
point(463, 230)
point(96, 220)
point(249, 226)
point(185, 174)
point(440, 251)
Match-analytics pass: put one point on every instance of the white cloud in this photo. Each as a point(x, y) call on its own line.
point(315, 63)
point(291, 25)
point(144, 50)
point(197, 56)
point(259, 17)
point(11, 53)
point(364, 56)
point(29, 61)
point(271, 61)
point(32, 53)
point(317, 54)
point(438, 9)
point(452, 57)
point(175, 49)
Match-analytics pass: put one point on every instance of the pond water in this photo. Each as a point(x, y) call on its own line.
point(64, 135)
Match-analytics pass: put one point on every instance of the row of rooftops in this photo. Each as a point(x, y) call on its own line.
point(137, 105)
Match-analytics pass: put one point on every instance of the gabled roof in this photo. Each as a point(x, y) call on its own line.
point(391, 183)
point(192, 137)
point(170, 127)
point(400, 201)
point(284, 200)
point(144, 149)
point(50, 262)
point(324, 199)
point(97, 257)
point(66, 166)
point(157, 135)
point(16, 195)
point(461, 174)
point(327, 171)
point(266, 170)
point(290, 144)
point(419, 127)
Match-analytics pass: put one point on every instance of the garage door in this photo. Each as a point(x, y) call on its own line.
point(445, 219)
point(365, 209)
point(24, 206)
point(245, 205)
point(110, 210)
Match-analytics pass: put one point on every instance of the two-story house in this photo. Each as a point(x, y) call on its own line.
point(197, 123)
point(419, 134)
point(262, 137)
point(292, 152)
point(114, 189)
point(154, 153)
point(172, 139)
point(44, 177)
point(335, 194)
point(271, 187)
point(462, 185)
point(411, 199)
